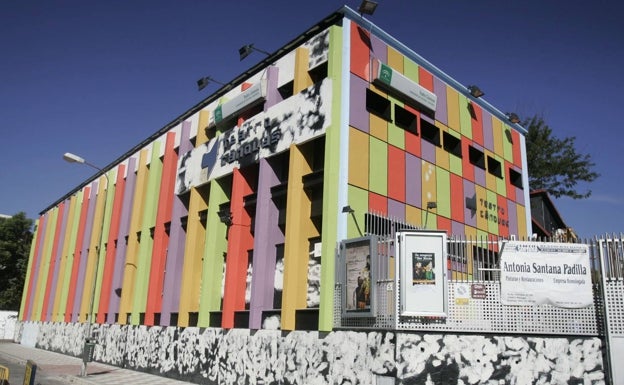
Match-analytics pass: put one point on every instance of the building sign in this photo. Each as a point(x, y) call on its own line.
point(388, 77)
point(421, 278)
point(296, 120)
point(251, 96)
point(536, 273)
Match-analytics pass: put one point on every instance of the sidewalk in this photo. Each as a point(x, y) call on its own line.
point(56, 368)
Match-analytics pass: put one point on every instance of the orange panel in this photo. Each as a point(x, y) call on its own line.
point(517, 157)
point(412, 141)
point(444, 224)
point(360, 52)
point(503, 216)
point(377, 203)
point(426, 78)
point(477, 124)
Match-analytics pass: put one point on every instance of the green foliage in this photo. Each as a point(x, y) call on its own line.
point(15, 239)
point(554, 164)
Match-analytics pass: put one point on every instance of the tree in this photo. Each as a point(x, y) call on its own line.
point(15, 239)
point(554, 164)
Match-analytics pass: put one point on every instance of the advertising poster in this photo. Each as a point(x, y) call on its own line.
point(423, 272)
point(358, 276)
point(537, 273)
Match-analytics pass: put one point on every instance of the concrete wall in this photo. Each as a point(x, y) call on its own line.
point(243, 356)
point(7, 324)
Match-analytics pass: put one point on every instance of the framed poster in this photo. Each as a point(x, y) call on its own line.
point(421, 278)
point(357, 275)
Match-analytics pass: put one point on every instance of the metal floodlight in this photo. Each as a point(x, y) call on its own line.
point(247, 49)
point(203, 82)
point(513, 117)
point(475, 91)
point(432, 205)
point(225, 217)
point(72, 158)
point(367, 7)
point(347, 209)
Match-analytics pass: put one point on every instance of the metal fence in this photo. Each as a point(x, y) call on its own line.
point(475, 261)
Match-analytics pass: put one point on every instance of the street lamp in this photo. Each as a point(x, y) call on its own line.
point(87, 350)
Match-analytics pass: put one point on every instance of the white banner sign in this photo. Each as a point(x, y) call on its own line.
point(535, 273)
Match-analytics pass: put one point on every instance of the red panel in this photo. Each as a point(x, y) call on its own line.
point(477, 124)
point(517, 157)
point(161, 236)
point(467, 167)
point(412, 142)
point(76, 261)
point(396, 174)
point(55, 255)
point(360, 52)
point(511, 189)
point(425, 78)
point(503, 216)
point(111, 249)
point(377, 203)
point(457, 198)
point(240, 240)
point(33, 278)
point(445, 224)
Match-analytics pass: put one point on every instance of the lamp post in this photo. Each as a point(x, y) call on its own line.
point(87, 351)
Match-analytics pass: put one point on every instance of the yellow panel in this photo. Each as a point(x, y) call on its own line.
point(358, 158)
point(302, 77)
point(378, 128)
point(481, 210)
point(470, 231)
point(413, 215)
point(44, 263)
point(507, 144)
point(465, 120)
point(127, 288)
point(452, 105)
point(428, 183)
point(395, 59)
point(497, 132)
point(522, 225)
point(201, 127)
point(442, 156)
point(492, 212)
point(490, 179)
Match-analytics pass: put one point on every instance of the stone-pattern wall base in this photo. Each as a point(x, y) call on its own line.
point(242, 356)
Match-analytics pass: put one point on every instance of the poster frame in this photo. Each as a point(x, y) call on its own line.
point(347, 262)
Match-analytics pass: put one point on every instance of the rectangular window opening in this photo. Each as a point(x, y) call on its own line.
point(378, 105)
point(405, 119)
point(430, 132)
point(476, 157)
point(494, 167)
point(515, 178)
point(452, 144)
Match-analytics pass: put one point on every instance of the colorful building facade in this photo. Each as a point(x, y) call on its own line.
point(230, 215)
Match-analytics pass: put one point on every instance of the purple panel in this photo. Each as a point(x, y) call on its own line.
point(380, 49)
point(479, 176)
point(267, 235)
point(43, 224)
point(512, 212)
point(84, 254)
point(470, 193)
point(457, 228)
point(488, 132)
point(439, 88)
point(177, 239)
point(358, 116)
point(413, 180)
point(124, 229)
point(519, 196)
point(273, 96)
point(396, 209)
point(59, 259)
point(428, 151)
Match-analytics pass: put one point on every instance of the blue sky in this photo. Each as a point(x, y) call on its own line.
point(96, 78)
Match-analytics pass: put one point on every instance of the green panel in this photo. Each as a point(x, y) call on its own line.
point(410, 69)
point(358, 200)
point(214, 250)
point(465, 120)
point(396, 135)
point(482, 235)
point(492, 225)
point(501, 186)
point(507, 144)
point(73, 234)
point(146, 242)
point(443, 190)
point(378, 159)
point(44, 263)
point(332, 182)
point(110, 194)
point(455, 164)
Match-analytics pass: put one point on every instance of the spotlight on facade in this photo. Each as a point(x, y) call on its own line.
point(513, 118)
point(225, 216)
point(430, 205)
point(247, 49)
point(203, 82)
point(367, 7)
point(348, 209)
point(475, 91)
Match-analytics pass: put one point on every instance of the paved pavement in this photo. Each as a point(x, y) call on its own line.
point(59, 369)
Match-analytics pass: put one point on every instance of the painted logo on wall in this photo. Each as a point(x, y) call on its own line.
point(295, 120)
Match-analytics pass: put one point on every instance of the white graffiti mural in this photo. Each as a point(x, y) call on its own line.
point(243, 356)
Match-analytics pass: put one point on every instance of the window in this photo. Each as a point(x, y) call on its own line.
point(515, 178)
point(405, 120)
point(378, 105)
point(452, 144)
point(430, 132)
point(494, 167)
point(476, 157)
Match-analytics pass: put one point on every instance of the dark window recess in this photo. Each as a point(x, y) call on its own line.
point(494, 167)
point(193, 318)
point(318, 73)
point(173, 319)
point(156, 318)
point(141, 318)
point(215, 319)
point(515, 178)
point(405, 119)
point(378, 105)
point(430, 132)
point(286, 90)
point(476, 157)
point(452, 144)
